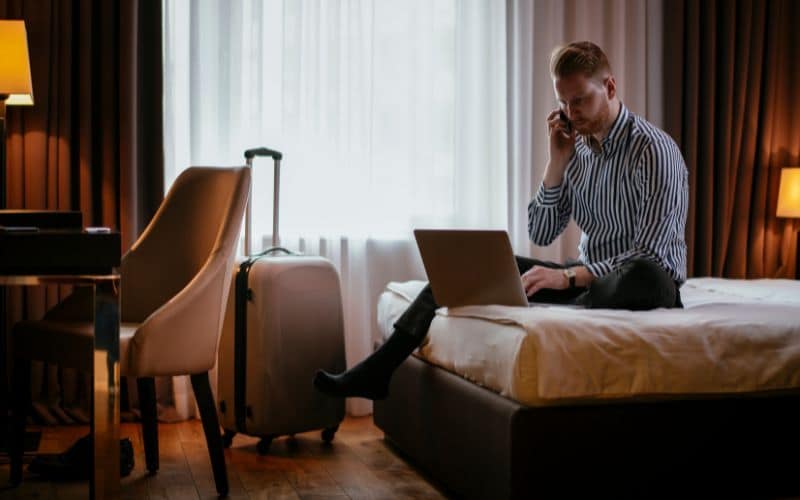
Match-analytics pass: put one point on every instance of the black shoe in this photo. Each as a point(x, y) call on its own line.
point(75, 463)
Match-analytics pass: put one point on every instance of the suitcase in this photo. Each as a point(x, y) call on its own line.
point(283, 322)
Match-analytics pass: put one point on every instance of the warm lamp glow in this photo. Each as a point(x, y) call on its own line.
point(15, 68)
point(789, 194)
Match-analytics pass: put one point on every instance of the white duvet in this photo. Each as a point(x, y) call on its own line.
point(734, 336)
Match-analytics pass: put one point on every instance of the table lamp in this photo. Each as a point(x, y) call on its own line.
point(15, 83)
point(15, 89)
point(789, 199)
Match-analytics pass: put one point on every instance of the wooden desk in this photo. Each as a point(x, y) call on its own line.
point(81, 259)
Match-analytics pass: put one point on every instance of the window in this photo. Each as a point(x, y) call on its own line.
point(390, 114)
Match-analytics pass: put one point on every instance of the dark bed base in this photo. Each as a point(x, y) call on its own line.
point(477, 444)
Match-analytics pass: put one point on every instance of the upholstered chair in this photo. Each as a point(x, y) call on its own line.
point(174, 285)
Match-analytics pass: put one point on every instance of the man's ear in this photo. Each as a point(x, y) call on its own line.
point(611, 87)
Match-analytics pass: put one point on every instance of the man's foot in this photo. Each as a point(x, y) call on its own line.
point(356, 382)
point(370, 378)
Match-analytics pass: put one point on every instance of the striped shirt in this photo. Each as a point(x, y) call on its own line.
point(628, 195)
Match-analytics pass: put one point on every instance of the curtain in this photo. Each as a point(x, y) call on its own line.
point(391, 115)
point(92, 141)
point(629, 31)
point(732, 84)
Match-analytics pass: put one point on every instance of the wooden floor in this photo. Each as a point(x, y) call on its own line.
point(358, 464)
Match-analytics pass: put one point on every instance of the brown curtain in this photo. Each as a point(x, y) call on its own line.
point(732, 103)
point(93, 141)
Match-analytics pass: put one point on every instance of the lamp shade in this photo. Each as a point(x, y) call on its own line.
point(15, 68)
point(789, 193)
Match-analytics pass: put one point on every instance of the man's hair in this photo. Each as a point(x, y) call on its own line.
point(578, 57)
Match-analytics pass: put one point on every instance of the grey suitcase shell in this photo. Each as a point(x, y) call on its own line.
point(283, 322)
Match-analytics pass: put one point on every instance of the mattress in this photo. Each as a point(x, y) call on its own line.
point(733, 337)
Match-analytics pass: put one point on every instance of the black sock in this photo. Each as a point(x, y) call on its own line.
point(370, 378)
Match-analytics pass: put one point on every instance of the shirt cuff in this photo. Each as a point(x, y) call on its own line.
point(599, 269)
point(548, 197)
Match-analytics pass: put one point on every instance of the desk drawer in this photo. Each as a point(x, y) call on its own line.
point(43, 219)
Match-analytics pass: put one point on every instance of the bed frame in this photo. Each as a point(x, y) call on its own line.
point(477, 444)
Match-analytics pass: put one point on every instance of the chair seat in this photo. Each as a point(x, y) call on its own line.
point(67, 343)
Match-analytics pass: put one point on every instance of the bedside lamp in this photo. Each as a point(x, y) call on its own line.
point(789, 200)
point(16, 88)
point(789, 193)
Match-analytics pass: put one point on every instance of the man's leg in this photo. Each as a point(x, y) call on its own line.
point(637, 285)
point(370, 378)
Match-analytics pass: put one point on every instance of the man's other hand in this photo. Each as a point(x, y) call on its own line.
point(538, 277)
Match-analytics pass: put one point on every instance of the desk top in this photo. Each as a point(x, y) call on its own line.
point(59, 251)
point(52, 242)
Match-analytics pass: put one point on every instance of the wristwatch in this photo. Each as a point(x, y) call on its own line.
point(570, 274)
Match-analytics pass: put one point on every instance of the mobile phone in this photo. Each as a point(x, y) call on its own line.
point(567, 123)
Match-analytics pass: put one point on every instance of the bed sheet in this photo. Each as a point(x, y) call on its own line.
point(732, 337)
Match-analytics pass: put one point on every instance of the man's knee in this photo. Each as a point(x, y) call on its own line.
point(645, 270)
point(637, 285)
point(418, 316)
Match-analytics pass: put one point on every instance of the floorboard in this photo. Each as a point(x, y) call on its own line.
point(357, 465)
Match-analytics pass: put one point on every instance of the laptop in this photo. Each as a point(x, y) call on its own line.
point(470, 267)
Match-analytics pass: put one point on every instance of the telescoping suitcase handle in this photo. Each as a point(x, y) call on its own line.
point(250, 153)
point(277, 156)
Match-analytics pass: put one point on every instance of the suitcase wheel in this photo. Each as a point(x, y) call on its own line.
point(328, 433)
point(227, 438)
point(263, 445)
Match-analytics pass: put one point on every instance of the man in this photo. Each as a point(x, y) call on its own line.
point(622, 179)
point(624, 182)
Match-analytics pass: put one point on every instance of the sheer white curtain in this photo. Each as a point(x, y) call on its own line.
point(629, 31)
point(391, 115)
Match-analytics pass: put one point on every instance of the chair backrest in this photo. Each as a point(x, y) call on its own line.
point(199, 218)
point(176, 277)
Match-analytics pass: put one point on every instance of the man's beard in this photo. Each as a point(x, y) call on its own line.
point(596, 125)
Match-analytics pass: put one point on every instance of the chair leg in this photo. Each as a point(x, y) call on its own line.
point(208, 414)
point(147, 405)
point(21, 389)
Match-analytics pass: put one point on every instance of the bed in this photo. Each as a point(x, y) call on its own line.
point(551, 400)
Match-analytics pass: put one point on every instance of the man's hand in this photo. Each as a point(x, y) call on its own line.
point(539, 277)
point(562, 147)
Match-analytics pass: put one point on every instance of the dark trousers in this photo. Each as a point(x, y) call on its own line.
point(637, 285)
